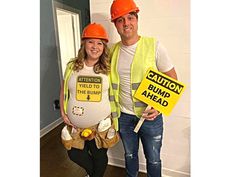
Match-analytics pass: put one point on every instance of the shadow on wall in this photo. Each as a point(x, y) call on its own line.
point(186, 134)
point(104, 20)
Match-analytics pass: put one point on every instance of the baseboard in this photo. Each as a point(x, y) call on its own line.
point(142, 168)
point(116, 162)
point(50, 127)
point(174, 173)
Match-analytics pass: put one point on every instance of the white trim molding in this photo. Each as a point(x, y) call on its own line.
point(50, 127)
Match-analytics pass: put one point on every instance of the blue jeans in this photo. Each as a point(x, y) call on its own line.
point(150, 134)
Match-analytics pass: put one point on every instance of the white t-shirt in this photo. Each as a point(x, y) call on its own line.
point(89, 97)
point(163, 64)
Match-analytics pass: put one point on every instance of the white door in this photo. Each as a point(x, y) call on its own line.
point(67, 35)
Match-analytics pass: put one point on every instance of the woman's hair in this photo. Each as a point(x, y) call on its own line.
point(102, 65)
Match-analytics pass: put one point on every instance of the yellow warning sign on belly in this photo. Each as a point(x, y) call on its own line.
point(159, 91)
point(89, 88)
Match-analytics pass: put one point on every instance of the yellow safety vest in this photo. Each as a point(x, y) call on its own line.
point(67, 75)
point(144, 58)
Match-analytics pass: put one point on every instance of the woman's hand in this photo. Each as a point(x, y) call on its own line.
point(66, 120)
point(150, 114)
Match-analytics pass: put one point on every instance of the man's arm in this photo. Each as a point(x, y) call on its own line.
point(171, 73)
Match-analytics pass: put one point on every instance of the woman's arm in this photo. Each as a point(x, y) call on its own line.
point(63, 114)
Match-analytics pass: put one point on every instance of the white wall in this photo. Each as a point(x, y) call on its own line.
point(168, 21)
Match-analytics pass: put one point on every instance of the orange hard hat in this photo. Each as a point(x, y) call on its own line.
point(122, 7)
point(94, 30)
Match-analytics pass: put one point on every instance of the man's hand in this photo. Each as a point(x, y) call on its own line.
point(150, 114)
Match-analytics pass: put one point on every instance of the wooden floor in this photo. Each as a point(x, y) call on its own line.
point(54, 161)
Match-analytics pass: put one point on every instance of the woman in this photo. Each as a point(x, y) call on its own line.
point(84, 98)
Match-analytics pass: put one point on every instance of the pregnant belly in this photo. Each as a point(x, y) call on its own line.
point(85, 116)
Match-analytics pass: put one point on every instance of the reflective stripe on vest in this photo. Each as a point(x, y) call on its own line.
point(113, 104)
point(67, 75)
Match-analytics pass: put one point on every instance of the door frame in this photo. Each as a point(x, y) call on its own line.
point(59, 5)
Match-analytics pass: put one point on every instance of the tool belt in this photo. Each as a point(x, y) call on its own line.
point(71, 138)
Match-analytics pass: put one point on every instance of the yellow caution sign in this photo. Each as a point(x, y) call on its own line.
point(89, 88)
point(159, 91)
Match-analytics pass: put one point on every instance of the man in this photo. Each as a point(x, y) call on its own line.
point(130, 60)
